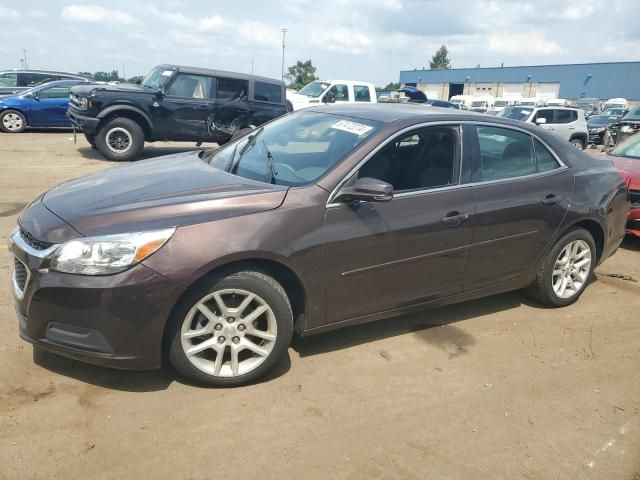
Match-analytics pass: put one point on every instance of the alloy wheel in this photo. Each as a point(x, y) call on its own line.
point(119, 140)
point(229, 333)
point(12, 121)
point(571, 269)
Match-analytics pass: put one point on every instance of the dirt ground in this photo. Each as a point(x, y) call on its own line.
point(493, 388)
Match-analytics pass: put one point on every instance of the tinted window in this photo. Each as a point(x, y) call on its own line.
point(361, 93)
point(566, 116)
point(545, 160)
point(505, 153)
point(422, 159)
point(54, 92)
point(341, 92)
point(33, 79)
point(192, 86)
point(232, 89)
point(546, 114)
point(267, 92)
point(9, 79)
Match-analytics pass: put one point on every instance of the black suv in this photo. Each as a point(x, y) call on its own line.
point(174, 103)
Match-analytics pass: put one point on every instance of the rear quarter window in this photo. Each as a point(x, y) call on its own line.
point(361, 93)
point(267, 92)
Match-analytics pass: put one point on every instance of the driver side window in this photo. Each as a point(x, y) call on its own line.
point(422, 159)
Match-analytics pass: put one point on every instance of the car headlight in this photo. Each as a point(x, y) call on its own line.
point(107, 254)
point(81, 103)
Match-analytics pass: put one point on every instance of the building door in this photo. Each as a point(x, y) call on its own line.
point(548, 90)
point(455, 89)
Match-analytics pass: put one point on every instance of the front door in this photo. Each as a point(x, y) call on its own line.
point(381, 256)
point(50, 107)
point(523, 193)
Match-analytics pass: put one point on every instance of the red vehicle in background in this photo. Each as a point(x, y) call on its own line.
point(626, 158)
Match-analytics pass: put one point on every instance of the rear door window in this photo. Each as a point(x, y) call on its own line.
point(566, 116)
point(191, 86)
point(233, 89)
point(341, 92)
point(267, 92)
point(547, 114)
point(361, 93)
point(505, 153)
point(54, 92)
point(33, 79)
point(545, 160)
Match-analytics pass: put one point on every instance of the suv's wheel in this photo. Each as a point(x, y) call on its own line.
point(120, 139)
point(578, 143)
point(12, 121)
point(231, 329)
point(240, 133)
point(565, 270)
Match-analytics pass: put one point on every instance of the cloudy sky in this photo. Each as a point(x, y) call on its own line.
point(355, 39)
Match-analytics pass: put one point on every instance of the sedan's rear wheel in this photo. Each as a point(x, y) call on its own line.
point(232, 330)
point(12, 121)
point(566, 270)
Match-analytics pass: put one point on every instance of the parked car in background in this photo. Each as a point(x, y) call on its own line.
point(16, 81)
point(628, 126)
point(323, 218)
point(590, 106)
point(597, 125)
point(567, 123)
point(418, 96)
point(43, 106)
point(531, 102)
point(615, 103)
point(333, 91)
point(626, 158)
point(620, 112)
point(462, 100)
point(557, 102)
point(501, 103)
point(174, 103)
point(482, 104)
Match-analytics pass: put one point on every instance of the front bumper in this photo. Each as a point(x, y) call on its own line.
point(596, 137)
point(85, 123)
point(115, 321)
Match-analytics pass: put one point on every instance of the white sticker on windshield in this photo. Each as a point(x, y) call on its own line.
point(352, 127)
point(167, 73)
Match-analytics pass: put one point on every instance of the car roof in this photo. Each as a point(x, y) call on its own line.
point(79, 75)
point(209, 71)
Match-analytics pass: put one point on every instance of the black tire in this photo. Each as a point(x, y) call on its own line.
point(578, 143)
point(91, 139)
point(241, 132)
point(258, 283)
point(541, 289)
point(13, 127)
point(123, 128)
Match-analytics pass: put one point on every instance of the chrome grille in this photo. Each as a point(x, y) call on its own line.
point(33, 242)
point(20, 277)
point(75, 101)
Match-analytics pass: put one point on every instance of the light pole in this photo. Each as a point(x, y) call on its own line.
point(24, 56)
point(284, 32)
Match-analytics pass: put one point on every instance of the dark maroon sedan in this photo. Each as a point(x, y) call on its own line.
point(323, 218)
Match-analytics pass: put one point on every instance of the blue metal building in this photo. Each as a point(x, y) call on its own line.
point(573, 81)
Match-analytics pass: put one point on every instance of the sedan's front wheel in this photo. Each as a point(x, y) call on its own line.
point(566, 270)
point(12, 121)
point(232, 329)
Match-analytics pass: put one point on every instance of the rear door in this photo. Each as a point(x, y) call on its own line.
point(266, 102)
point(182, 113)
point(565, 122)
point(231, 109)
point(523, 192)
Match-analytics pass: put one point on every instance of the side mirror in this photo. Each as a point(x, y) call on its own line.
point(366, 190)
point(33, 95)
point(329, 97)
point(541, 121)
point(138, 82)
point(161, 92)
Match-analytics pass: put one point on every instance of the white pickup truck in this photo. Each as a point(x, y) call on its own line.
point(332, 91)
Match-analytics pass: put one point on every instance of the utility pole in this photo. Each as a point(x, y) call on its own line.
point(24, 58)
point(123, 75)
point(284, 32)
point(252, 66)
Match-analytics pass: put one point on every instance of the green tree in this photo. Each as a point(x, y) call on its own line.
point(300, 74)
point(391, 87)
point(440, 61)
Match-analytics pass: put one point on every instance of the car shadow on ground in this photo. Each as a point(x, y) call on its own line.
point(128, 380)
point(454, 340)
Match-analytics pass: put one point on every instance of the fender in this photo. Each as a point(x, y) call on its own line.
point(130, 108)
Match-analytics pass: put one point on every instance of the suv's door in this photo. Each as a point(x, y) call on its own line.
point(230, 111)
point(565, 122)
point(382, 256)
point(50, 107)
point(523, 192)
point(182, 113)
point(266, 102)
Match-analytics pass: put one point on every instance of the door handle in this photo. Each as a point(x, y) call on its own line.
point(455, 219)
point(572, 128)
point(551, 199)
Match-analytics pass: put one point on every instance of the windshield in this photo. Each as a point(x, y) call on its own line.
point(516, 113)
point(478, 104)
point(634, 114)
point(157, 77)
point(314, 89)
point(629, 148)
point(456, 100)
point(601, 120)
point(293, 150)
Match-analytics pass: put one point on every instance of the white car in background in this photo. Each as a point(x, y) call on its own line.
point(502, 103)
point(615, 103)
point(557, 102)
point(531, 102)
point(568, 123)
point(461, 100)
point(333, 91)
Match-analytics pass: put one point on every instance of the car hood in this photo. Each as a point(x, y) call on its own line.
point(86, 89)
point(299, 98)
point(629, 169)
point(168, 191)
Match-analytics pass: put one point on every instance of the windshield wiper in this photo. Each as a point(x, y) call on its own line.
point(233, 166)
point(272, 169)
